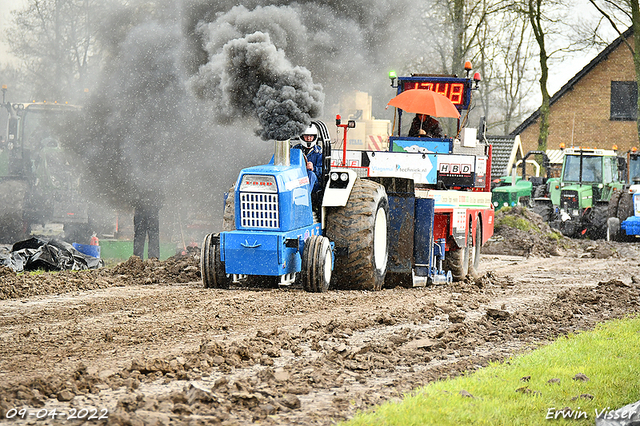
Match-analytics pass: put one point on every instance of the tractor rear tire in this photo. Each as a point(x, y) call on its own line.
point(457, 261)
point(613, 229)
point(316, 264)
point(540, 191)
point(13, 227)
point(612, 211)
point(598, 226)
point(361, 227)
point(625, 206)
point(211, 267)
point(544, 209)
point(474, 251)
point(625, 211)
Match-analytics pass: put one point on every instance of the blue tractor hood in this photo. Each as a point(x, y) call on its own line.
point(274, 198)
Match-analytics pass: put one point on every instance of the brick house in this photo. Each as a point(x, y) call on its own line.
point(596, 108)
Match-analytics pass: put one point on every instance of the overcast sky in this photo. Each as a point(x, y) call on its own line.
point(6, 6)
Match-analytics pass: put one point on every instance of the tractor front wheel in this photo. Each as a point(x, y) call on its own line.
point(211, 267)
point(316, 264)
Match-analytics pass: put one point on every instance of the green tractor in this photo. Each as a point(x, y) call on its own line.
point(39, 187)
point(515, 190)
point(577, 203)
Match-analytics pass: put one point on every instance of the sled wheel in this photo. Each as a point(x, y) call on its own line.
point(474, 251)
point(458, 260)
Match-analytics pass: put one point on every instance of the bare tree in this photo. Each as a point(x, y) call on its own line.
point(451, 32)
point(55, 39)
point(625, 12)
point(545, 19)
point(506, 55)
point(534, 12)
point(515, 83)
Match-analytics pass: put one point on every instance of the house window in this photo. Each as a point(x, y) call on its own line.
point(624, 100)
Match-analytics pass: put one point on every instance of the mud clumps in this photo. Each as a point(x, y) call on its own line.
point(519, 231)
point(134, 271)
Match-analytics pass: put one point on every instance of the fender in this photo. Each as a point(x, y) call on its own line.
point(339, 186)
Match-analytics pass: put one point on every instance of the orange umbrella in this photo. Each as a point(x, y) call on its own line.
point(424, 101)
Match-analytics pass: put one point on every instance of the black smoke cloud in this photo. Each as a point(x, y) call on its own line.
point(188, 84)
point(346, 45)
point(249, 76)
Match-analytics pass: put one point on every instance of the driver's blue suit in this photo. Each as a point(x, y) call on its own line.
point(315, 156)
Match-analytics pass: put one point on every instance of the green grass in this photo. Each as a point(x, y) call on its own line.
point(515, 222)
point(608, 356)
point(554, 235)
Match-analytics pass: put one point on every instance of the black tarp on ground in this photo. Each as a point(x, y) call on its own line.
point(53, 255)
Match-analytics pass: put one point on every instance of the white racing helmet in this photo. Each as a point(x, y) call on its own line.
point(309, 137)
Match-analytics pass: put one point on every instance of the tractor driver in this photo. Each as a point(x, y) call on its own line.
point(424, 125)
point(313, 155)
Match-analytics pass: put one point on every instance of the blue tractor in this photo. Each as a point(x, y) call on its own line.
point(623, 223)
point(344, 236)
point(276, 232)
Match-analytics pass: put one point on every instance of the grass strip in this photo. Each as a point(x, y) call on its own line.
point(545, 385)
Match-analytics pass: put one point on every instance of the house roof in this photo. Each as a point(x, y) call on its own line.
point(576, 78)
point(502, 154)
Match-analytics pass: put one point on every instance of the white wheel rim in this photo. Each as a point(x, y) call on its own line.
point(380, 240)
point(326, 270)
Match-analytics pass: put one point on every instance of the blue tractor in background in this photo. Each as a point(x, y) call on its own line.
point(623, 223)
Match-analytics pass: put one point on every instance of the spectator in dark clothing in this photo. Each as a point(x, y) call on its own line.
point(425, 126)
point(146, 222)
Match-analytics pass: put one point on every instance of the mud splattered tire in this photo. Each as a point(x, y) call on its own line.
point(544, 209)
point(612, 210)
point(613, 229)
point(539, 192)
point(316, 264)
point(625, 210)
point(474, 251)
point(457, 261)
point(360, 227)
point(625, 206)
point(598, 226)
point(211, 267)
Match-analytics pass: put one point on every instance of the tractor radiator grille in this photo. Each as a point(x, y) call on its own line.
point(569, 199)
point(259, 210)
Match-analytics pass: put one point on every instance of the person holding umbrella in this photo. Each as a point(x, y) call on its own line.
point(424, 125)
point(426, 104)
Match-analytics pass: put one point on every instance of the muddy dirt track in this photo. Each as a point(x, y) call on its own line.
point(144, 344)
